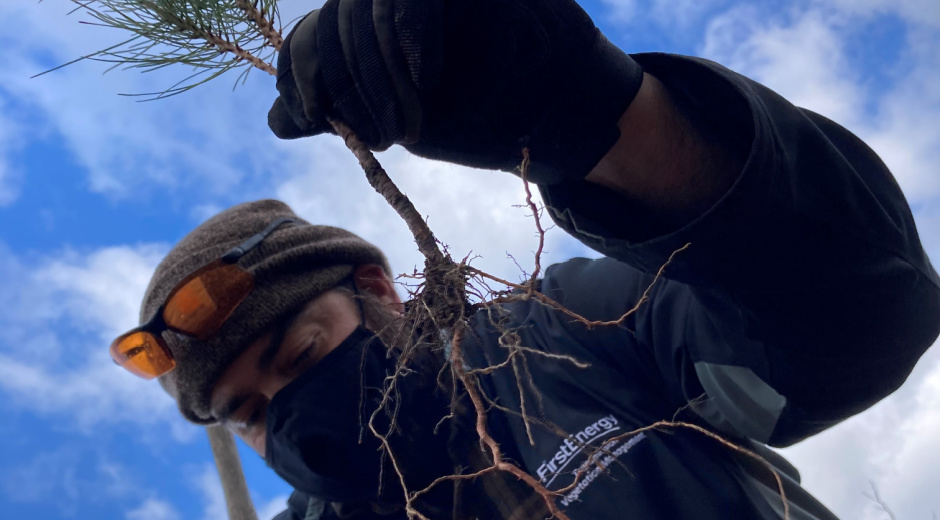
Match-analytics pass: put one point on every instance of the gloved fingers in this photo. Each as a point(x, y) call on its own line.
point(305, 66)
point(336, 72)
point(370, 71)
point(419, 31)
point(384, 16)
point(284, 124)
point(287, 118)
point(364, 62)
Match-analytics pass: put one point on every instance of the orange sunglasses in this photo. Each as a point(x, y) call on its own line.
point(196, 307)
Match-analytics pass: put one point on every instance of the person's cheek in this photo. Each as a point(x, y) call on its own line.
point(253, 438)
point(258, 440)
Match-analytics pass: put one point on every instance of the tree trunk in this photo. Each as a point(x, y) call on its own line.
point(227, 462)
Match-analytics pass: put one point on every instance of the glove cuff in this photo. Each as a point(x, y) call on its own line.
point(581, 127)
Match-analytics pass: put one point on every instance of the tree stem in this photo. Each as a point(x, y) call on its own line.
point(383, 184)
point(265, 27)
point(375, 173)
point(227, 46)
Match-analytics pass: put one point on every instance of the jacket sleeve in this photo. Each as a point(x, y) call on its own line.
point(805, 295)
point(301, 506)
point(296, 507)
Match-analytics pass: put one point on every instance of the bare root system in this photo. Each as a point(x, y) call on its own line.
point(439, 316)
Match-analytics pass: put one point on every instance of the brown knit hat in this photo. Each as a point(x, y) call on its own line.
point(294, 264)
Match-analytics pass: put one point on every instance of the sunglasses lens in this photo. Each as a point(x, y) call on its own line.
point(201, 305)
point(142, 354)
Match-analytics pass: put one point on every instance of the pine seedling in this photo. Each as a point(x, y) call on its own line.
point(210, 37)
point(213, 37)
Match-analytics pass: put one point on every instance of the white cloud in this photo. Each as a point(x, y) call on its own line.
point(291, 10)
point(210, 489)
point(906, 130)
point(920, 12)
point(928, 226)
point(47, 474)
point(196, 142)
point(93, 393)
point(804, 56)
point(894, 445)
point(621, 11)
point(912, 475)
point(10, 143)
point(64, 475)
point(177, 144)
point(805, 59)
point(203, 212)
point(213, 498)
point(62, 312)
point(153, 509)
point(469, 210)
point(101, 290)
point(272, 507)
point(670, 13)
point(9, 184)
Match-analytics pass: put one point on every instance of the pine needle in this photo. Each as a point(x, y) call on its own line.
point(211, 37)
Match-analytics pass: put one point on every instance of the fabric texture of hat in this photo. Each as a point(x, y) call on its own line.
point(291, 266)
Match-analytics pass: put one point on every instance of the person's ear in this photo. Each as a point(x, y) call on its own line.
point(372, 279)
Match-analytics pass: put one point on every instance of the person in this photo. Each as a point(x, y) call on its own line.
point(804, 295)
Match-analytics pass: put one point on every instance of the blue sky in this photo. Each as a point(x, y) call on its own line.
point(95, 187)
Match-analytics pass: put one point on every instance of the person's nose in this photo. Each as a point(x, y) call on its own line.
point(273, 384)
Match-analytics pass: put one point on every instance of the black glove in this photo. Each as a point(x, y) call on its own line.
point(465, 81)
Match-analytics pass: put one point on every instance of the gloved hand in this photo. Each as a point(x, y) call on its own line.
point(465, 81)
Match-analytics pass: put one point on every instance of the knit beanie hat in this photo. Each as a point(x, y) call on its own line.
point(291, 266)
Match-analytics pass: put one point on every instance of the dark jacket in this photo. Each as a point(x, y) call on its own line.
point(804, 297)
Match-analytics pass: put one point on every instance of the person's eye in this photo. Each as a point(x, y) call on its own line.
point(307, 356)
point(249, 416)
point(254, 419)
point(302, 359)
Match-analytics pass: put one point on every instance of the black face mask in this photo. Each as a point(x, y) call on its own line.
point(318, 436)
